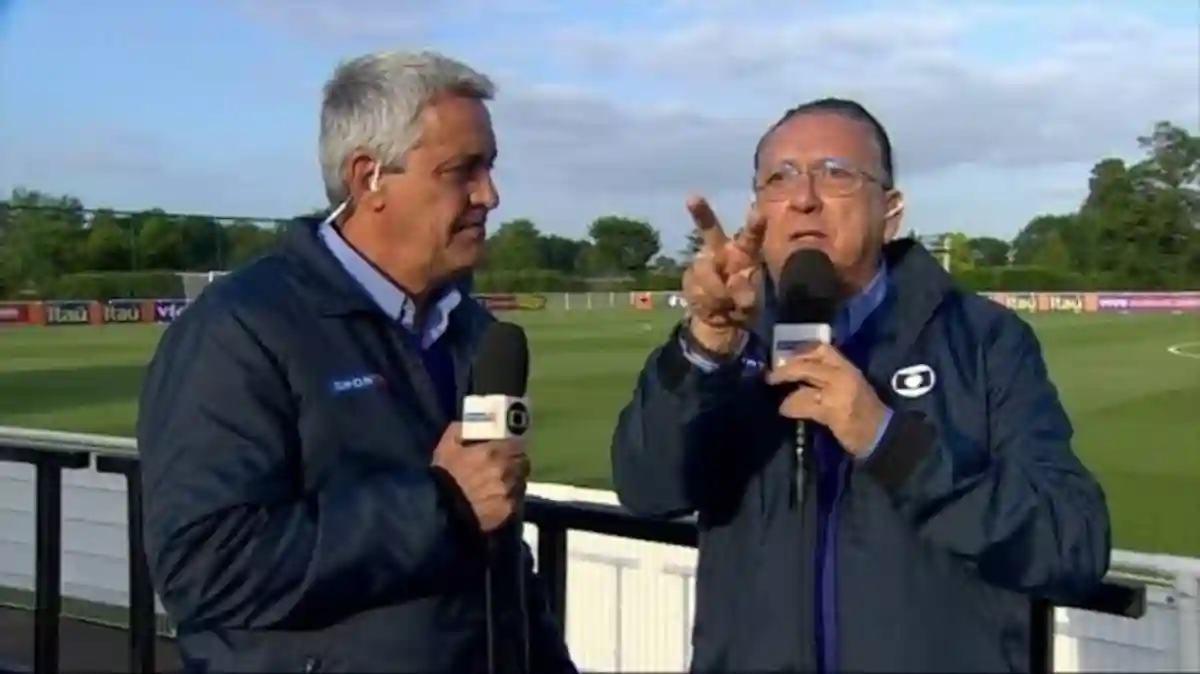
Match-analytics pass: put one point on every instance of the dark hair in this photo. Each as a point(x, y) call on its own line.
point(850, 110)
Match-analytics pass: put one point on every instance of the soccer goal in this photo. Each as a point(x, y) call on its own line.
point(194, 282)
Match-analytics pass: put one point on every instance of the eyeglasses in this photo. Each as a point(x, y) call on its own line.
point(829, 178)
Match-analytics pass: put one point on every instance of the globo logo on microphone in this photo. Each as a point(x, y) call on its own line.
point(517, 418)
point(495, 417)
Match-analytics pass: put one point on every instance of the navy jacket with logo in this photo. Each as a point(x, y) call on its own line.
point(292, 520)
point(971, 503)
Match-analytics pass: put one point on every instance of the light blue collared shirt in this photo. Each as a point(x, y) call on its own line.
point(391, 299)
point(850, 319)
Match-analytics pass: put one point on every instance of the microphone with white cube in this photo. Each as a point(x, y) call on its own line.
point(808, 303)
point(498, 409)
point(494, 417)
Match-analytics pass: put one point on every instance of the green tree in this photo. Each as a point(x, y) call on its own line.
point(560, 253)
point(665, 264)
point(515, 245)
point(961, 255)
point(160, 242)
point(1137, 229)
point(1053, 253)
point(108, 246)
point(44, 236)
point(1027, 246)
point(247, 241)
point(987, 251)
point(623, 244)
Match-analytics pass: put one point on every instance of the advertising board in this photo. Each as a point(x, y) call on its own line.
point(14, 313)
point(166, 311)
point(511, 302)
point(122, 311)
point(67, 313)
point(1089, 303)
point(1148, 302)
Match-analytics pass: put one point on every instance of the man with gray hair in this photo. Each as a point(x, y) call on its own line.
point(310, 503)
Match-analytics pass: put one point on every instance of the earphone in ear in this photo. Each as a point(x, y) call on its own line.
point(373, 183)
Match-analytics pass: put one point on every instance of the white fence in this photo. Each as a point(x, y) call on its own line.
point(629, 602)
point(604, 301)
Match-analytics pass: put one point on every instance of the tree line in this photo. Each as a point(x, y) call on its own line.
point(1137, 229)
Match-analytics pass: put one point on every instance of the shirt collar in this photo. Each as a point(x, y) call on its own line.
point(852, 314)
point(393, 301)
point(856, 311)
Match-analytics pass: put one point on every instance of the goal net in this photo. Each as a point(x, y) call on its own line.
point(194, 282)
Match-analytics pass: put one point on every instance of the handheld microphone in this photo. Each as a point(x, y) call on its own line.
point(808, 300)
point(497, 409)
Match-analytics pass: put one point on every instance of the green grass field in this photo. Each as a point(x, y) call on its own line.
point(1136, 407)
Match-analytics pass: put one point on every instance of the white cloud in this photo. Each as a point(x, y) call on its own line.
point(1010, 93)
point(995, 109)
point(1106, 77)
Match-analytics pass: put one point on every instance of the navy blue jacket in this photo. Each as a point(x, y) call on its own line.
point(292, 520)
point(972, 502)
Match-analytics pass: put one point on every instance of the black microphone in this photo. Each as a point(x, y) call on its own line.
point(808, 302)
point(497, 409)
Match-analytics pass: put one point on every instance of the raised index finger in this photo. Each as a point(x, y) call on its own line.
point(706, 223)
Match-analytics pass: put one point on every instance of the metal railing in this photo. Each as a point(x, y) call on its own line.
point(51, 453)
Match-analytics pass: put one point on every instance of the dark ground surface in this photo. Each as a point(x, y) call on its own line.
point(84, 646)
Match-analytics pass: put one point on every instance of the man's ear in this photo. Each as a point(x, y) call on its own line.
point(893, 215)
point(362, 180)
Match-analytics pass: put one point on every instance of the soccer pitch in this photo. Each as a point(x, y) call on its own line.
point(1135, 405)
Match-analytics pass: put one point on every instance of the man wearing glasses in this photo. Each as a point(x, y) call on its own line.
point(943, 492)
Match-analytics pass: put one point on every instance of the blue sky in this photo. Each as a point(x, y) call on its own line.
point(997, 109)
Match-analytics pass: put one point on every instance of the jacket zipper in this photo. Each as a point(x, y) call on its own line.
point(826, 563)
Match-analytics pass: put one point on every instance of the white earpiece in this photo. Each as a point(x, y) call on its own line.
point(373, 184)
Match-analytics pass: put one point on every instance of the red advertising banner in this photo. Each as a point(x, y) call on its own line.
point(14, 313)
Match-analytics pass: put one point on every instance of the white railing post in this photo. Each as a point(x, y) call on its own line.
point(1187, 595)
point(686, 576)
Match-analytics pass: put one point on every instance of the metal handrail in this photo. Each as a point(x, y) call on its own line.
point(52, 452)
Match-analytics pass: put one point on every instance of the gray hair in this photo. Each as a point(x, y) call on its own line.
point(373, 103)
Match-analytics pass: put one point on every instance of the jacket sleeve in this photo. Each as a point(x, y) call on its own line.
point(1035, 520)
point(232, 538)
point(683, 443)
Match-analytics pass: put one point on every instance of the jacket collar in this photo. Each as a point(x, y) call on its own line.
point(917, 285)
point(919, 288)
point(326, 281)
point(920, 281)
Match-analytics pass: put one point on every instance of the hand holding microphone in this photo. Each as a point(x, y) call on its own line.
point(829, 390)
point(491, 474)
point(485, 454)
point(833, 393)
